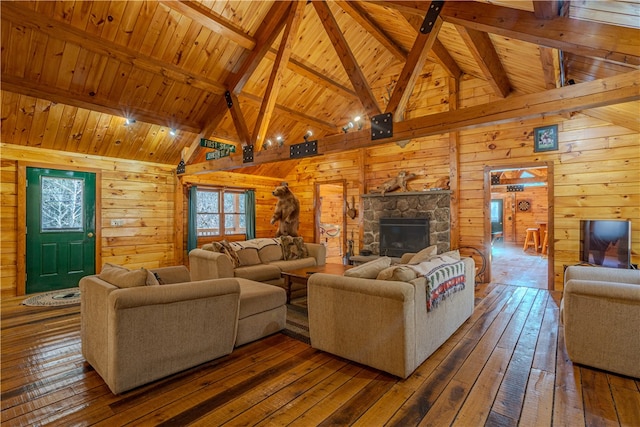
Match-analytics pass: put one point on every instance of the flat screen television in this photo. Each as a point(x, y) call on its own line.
point(606, 243)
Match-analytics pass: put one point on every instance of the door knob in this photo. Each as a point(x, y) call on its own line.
point(90, 234)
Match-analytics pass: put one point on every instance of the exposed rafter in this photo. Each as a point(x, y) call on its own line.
point(347, 58)
point(273, 86)
point(360, 16)
point(485, 54)
point(210, 20)
point(415, 62)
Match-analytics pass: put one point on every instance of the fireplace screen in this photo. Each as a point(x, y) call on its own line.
point(402, 235)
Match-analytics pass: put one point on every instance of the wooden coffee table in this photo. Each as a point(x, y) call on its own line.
point(301, 275)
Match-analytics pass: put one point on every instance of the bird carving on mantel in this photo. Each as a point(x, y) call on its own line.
point(397, 183)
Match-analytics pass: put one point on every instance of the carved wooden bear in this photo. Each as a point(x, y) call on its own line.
point(287, 212)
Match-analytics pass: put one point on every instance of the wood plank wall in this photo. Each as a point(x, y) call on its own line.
point(596, 176)
point(141, 194)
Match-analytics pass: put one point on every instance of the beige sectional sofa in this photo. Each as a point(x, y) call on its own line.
point(385, 324)
point(138, 331)
point(260, 259)
point(600, 311)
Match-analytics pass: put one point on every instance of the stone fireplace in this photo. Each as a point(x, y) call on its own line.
point(432, 205)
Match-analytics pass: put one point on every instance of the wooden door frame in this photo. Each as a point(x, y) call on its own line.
point(317, 212)
point(550, 216)
point(21, 226)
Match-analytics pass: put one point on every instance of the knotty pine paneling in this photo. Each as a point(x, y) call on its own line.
point(140, 194)
point(596, 175)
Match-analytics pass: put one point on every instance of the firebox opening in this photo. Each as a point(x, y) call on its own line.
point(401, 235)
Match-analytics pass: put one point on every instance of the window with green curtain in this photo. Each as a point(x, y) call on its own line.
point(250, 213)
point(192, 229)
point(221, 211)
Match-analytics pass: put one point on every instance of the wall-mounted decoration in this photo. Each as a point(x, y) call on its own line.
point(515, 188)
point(545, 138)
point(524, 205)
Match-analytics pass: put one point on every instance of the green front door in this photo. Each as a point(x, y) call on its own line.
point(61, 218)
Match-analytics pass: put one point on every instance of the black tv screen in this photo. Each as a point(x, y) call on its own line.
point(606, 243)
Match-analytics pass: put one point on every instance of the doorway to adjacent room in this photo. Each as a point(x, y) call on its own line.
point(330, 218)
point(519, 199)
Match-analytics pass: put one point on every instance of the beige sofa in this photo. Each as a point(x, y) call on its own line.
point(600, 312)
point(136, 335)
point(382, 323)
point(261, 260)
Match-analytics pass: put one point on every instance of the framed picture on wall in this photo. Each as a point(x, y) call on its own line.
point(545, 138)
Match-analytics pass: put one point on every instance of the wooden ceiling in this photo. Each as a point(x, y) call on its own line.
point(74, 71)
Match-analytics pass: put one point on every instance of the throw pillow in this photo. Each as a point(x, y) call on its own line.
point(397, 273)
point(293, 248)
point(228, 251)
point(248, 256)
point(369, 270)
point(424, 255)
point(152, 279)
point(123, 277)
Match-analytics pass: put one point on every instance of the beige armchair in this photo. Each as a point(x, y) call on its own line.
point(135, 335)
point(601, 316)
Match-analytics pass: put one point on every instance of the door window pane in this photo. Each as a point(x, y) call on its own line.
point(61, 208)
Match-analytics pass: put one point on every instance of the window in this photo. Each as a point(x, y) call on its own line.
point(221, 212)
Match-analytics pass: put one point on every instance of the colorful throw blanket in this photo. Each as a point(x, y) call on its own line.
point(445, 276)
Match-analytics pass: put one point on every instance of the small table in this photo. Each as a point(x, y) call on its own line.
point(301, 275)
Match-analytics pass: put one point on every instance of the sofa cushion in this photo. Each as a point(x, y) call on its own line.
point(424, 255)
point(270, 253)
point(398, 273)
point(369, 270)
point(259, 297)
point(248, 256)
point(295, 264)
point(123, 277)
point(259, 273)
point(293, 248)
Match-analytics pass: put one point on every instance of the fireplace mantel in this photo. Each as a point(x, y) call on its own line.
point(434, 205)
point(407, 193)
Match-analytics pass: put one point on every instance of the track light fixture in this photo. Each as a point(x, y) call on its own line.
point(357, 121)
point(129, 121)
point(307, 135)
point(172, 132)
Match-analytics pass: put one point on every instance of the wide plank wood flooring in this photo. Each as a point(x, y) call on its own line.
point(505, 366)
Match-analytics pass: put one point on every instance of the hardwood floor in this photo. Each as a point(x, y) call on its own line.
point(505, 366)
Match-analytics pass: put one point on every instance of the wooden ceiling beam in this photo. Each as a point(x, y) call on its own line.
point(348, 60)
point(60, 96)
point(275, 79)
point(544, 9)
point(317, 77)
point(487, 58)
point(216, 23)
point(292, 114)
point(441, 54)
point(612, 42)
point(549, 67)
point(445, 59)
point(615, 43)
point(265, 36)
point(411, 70)
point(613, 90)
point(61, 31)
point(359, 15)
point(238, 118)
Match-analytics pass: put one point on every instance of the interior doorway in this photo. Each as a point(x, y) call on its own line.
point(519, 199)
point(330, 219)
